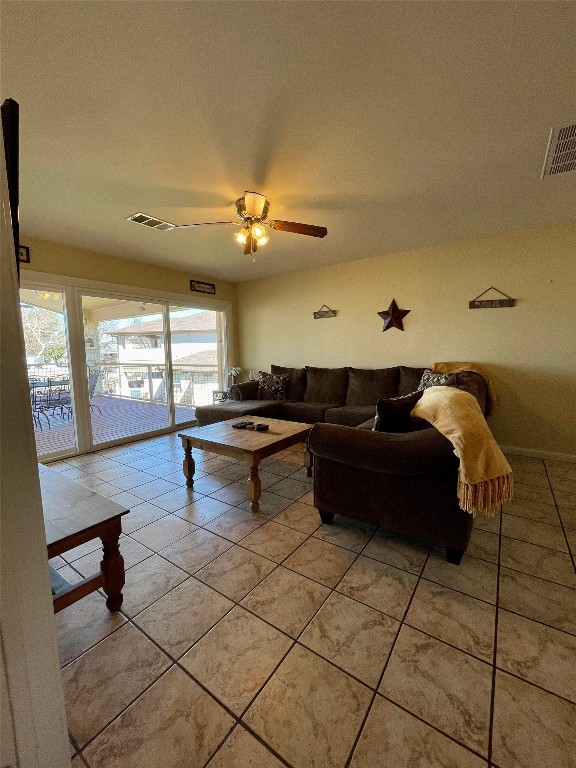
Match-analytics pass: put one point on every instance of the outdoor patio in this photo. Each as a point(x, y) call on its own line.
point(119, 418)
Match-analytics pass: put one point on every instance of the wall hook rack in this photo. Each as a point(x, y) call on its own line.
point(324, 311)
point(479, 303)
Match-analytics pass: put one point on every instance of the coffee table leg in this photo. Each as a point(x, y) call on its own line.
point(188, 466)
point(308, 462)
point(112, 567)
point(254, 487)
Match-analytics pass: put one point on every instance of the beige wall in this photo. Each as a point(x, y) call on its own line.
point(529, 350)
point(57, 259)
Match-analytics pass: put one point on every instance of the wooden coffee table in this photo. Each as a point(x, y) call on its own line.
point(245, 444)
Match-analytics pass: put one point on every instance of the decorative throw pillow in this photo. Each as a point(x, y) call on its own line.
point(296, 383)
point(393, 414)
point(271, 386)
point(430, 379)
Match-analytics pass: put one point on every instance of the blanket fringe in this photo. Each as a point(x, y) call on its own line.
point(487, 496)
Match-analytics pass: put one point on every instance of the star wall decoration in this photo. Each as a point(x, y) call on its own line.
point(393, 316)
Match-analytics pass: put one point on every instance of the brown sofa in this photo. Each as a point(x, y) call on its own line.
point(405, 482)
point(345, 396)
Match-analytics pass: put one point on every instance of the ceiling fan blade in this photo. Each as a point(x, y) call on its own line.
point(152, 222)
point(299, 229)
point(248, 246)
point(205, 223)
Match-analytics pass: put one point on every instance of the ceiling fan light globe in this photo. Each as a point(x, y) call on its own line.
point(258, 230)
point(262, 240)
point(254, 204)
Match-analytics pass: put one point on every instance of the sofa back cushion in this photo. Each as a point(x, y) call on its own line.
point(296, 383)
point(393, 415)
point(409, 380)
point(366, 387)
point(326, 385)
point(472, 382)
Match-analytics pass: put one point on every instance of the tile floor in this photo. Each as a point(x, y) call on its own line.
point(271, 640)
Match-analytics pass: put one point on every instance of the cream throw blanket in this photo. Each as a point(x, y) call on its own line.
point(484, 476)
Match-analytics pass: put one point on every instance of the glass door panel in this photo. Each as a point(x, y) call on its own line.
point(126, 367)
point(46, 342)
point(194, 351)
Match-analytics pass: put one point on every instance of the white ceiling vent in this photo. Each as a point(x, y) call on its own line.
point(148, 221)
point(561, 154)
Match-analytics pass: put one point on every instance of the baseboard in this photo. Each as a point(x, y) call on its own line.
point(551, 455)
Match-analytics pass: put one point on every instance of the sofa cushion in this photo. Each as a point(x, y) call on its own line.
point(350, 415)
point(366, 387)
point(430, 379)
point(409, 380)
point(309, 413)
point(297, 382)
point(393, 415)
point(245, 390)
point(208, 414)
point(326, 385)
point(272, 387)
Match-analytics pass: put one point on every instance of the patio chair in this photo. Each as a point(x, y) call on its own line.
point(92, 382)
point(38, 409)
point(59, 396)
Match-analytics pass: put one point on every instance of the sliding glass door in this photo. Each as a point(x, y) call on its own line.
point(194, 354)
point(47, 356)
point(125, 367)
point(106, 368)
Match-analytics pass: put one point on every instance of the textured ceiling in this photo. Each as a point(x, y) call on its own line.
point(394, 124)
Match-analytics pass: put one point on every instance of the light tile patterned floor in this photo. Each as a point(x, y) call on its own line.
point(271, 640)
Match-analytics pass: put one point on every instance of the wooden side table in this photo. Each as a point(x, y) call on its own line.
point(221, 395)
point(73, 515)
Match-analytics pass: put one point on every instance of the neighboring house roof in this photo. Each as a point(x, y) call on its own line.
point(201, 321)
point(205, 357)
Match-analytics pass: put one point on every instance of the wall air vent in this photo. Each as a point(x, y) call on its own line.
point(149, 221)
point(561, 153)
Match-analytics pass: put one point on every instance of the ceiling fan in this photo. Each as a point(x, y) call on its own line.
point(252, 210)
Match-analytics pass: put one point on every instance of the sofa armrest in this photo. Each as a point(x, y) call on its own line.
point(247, 390)
point(423, 452)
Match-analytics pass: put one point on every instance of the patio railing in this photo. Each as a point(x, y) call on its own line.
point(193, 384)
point(47, 371)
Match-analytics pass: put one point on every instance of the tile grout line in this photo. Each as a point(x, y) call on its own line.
point(495, 651)
point(174, 663)
point(240, 724)
point(237, 604)
point(436, 728)
point(332, 591)
point(309, 535)
point(391, 651)
point(571, 554)
point(119, 714)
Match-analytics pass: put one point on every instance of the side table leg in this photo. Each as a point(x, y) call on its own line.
point(308, 462)
point(189, 466)
point(254, 487)
point(112, 567)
